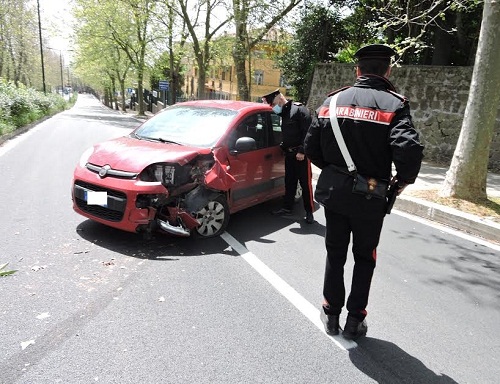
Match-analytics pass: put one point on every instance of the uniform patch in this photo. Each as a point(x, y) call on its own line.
point(359, 113)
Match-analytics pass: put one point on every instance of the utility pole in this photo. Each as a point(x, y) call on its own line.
point(62, 80)
point(41, 46)
point(61, 67)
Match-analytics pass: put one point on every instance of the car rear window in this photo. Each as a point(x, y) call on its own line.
point(187, 125)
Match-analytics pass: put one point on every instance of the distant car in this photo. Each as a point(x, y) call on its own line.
point(185, 170)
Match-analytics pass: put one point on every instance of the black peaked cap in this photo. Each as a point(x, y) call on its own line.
point(270, 96)
point(375, 51)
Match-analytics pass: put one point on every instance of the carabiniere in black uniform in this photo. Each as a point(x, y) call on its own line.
point(295, 121)
point(377, 128)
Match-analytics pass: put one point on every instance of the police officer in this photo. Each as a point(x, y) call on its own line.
point(377, 128)
point(295, 121)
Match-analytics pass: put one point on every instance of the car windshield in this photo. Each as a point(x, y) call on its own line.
point(187, 125)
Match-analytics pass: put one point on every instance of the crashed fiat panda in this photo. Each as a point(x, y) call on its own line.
point(185, 170)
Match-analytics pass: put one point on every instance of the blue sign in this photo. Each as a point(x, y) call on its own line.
point(163, 85)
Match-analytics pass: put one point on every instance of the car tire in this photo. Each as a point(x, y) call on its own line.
point(213, 218)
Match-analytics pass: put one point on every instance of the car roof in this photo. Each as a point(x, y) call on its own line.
point(235, 105)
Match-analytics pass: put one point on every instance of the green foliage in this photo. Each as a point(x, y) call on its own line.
point(20, 106)
point(319, 36)
point(4, 271)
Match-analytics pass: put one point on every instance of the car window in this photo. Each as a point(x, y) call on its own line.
point(187, 125)
point(255, 126)
point(277, 136)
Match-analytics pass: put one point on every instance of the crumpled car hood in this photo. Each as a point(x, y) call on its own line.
point(133, 155)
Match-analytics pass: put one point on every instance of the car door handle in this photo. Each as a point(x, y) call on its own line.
point(268, 156)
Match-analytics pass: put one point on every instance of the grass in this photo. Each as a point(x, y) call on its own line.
point(488, 208)
point(4, 271)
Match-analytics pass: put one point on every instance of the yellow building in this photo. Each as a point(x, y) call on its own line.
point(262, 73)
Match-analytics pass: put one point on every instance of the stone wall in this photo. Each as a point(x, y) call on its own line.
point(438, 97)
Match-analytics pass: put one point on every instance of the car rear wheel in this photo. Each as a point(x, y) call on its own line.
point(213, 217)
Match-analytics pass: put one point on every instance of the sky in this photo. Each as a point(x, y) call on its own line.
point(56, 22)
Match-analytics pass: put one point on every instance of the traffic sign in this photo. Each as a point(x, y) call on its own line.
point(163, 85)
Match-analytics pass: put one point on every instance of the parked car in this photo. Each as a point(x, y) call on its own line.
point(185, 170)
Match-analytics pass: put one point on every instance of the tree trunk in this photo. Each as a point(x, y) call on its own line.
point(239, 56)
point(466, 177)
point(202, 77)
point(140, 91)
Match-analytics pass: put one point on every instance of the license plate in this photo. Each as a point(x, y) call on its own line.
point(96, 198)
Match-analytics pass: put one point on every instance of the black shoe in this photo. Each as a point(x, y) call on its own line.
point(309, 218)
point(331, 323)
point(282, 211)
point(354, 328)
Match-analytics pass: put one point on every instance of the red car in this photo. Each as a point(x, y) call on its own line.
point(185, 170)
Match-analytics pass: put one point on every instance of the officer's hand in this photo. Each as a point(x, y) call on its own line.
point(401, 185)
point(300, 156)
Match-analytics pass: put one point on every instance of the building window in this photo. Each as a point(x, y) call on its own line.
point(258, 76)
point(283, 81)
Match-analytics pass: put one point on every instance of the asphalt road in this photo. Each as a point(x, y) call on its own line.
point(92, 304)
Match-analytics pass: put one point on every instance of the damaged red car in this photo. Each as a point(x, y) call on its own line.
point(185, 170)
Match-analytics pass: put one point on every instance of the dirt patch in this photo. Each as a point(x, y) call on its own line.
point(488, 208)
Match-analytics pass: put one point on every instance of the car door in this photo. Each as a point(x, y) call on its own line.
point(258, 172)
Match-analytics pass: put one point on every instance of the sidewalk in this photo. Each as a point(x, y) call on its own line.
point(432, 177)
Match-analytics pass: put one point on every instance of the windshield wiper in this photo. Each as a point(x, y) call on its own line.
point(166, 141)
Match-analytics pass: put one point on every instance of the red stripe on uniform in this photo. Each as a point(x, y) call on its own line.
point(309, 183)
point(324, 112)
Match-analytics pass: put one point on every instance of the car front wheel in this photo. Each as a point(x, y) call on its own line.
point(213, 217)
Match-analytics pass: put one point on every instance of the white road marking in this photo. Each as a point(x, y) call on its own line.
point(298, 301)
point(449, 230)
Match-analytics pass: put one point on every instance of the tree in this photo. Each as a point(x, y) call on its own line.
point(18, 42)
point(175, 48)
point(201, 47)
point(437, 32)
point(466, 177)
point(129, 24)
point(318, 36)
point(267, 15)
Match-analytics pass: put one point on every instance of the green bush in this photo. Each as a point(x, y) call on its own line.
point(20, 106)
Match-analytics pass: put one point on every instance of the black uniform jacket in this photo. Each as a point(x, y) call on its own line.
point(295, 122)
point(377, 128)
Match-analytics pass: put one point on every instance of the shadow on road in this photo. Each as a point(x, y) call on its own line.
point(253, 224)
point(161, 247)
point(386, 363)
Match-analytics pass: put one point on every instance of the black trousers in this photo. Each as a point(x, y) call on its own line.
point(298, 171)
point(365, 238)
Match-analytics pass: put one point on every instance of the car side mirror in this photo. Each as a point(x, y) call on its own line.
point(243, 144)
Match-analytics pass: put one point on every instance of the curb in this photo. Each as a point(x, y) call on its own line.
point(474, 225)
point(24, 129)
point(471, 224)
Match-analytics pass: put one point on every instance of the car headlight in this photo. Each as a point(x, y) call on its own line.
point(167, 174)
point(85, 157)
point(164, 174)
